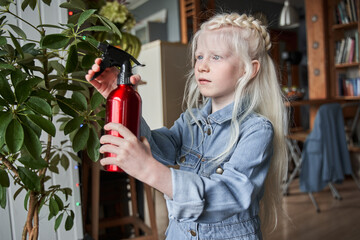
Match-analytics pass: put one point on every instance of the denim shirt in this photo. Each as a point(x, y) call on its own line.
point(214, 201)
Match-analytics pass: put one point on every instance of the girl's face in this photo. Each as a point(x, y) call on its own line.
point(217, 68)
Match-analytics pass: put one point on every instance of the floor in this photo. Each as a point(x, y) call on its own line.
point(337, 220)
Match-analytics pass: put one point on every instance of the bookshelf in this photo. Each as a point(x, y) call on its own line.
point(343, 48)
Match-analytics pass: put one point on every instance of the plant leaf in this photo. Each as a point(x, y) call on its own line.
point(93, 145)
point(5, 119)
point(5, 90)
point(79, 100)
point(69, 223)
point(59, 202)
point(26, 200)
point(34, 163)
point(54, 41)
point(14, 136)
point(58, 221)
point(74, 4)
point(66, 105)
point(32, 142)
point(53, 207)
point(73, 124)
point(17, 45)
point(19, 31)
point(97, 29)
point(3, 41)
point(80, 138)
point(43, 123)
point(84, 16)
point(40, 106)
point(29, 178)
point(4, 178)
point(72, 60)
point(96, 100)
point(2, 197)
point(17, 76)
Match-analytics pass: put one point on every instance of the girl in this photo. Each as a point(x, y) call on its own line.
point(229, 143)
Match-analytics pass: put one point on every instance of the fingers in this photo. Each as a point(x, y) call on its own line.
point(121, 129)
point(135, 79)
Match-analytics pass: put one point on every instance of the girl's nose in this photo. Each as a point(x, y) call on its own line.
point(203, 66)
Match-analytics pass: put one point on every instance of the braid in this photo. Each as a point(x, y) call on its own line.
point(242, 21)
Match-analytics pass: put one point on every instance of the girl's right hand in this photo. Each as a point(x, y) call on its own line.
point(106, 82)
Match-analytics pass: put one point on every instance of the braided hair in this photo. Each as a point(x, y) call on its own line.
point(250, 40)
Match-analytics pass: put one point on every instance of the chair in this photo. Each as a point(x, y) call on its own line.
point(324, 158)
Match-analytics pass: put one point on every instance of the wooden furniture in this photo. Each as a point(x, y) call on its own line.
point(192, 13)
point(133, 219)
point(322, 34)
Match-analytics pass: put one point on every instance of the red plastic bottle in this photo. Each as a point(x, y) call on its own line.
point(123, 106)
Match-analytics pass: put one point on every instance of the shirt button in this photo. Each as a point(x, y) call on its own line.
point(208, 131)
point(182, 159)
point(193, 233)
point(219, 170)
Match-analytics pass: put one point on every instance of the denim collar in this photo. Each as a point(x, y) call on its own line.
point(219, 117)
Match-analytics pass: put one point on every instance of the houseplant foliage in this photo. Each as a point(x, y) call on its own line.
point(42, 86)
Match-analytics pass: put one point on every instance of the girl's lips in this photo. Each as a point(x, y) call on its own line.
point(203, 81)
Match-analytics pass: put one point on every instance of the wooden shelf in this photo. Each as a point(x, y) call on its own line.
point(345, 26)
point(347, 65)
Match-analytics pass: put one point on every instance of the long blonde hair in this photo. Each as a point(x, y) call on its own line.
point(262, 94)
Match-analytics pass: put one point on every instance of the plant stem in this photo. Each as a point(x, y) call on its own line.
point(9, 165)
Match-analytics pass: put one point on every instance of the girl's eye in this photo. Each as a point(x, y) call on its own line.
point(216, 57)
point(199, 57)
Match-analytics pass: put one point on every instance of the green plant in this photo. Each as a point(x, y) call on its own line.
point(41, 83)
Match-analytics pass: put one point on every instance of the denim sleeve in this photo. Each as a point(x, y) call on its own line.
point(213, 199)
point(164, 142)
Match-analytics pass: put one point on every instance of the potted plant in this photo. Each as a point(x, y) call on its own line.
point(41, 83)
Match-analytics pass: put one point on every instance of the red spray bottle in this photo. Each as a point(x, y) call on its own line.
point(123, 105)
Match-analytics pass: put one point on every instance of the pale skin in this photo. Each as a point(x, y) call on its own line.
point(216, 72)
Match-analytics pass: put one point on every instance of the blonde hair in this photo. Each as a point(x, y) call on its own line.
point(262, 94)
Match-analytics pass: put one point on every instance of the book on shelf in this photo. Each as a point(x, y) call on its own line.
point(349, 86)
point(345, 12)
point(347, 49)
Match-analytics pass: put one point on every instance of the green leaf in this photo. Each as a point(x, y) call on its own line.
point(79, 100)
point(29, 178)
point(40, 106)
point(18, 192)
point(88, 47)
point(97, 29)
point(66, 105)
point(3, 41)
point(57, 66)
point(19, 31)
point(93, 145)
point(5, 90)
point(17, 45)
point(53, 207)
point(59, 202)
point(54, 41)
point(17, 76)
point(96, 100)
point(5, 119)
point(26, 200)
point(72, 60)
point(58, 221)
point(14, 136)
point(32, 142)
point(7, 66)
point(85, 15)
point(69, 223)
point(43, 123)
point(64, 161)
point(2, 197)
point(74, 4)
point(34, 163)
point(109, 24)
point(80, 138)
point(47, 2)
point(65, 86)
point(73, 124)
point(4, 178)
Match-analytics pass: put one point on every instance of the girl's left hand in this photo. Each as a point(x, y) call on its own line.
point(132, 155)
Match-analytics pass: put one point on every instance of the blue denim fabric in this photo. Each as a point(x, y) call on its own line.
point(208, 203)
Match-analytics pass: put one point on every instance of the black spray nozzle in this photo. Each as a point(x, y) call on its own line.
point(113, 56)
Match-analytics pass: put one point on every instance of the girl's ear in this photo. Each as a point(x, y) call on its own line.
point(255, 68)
